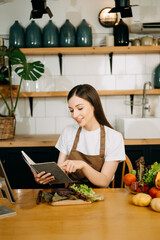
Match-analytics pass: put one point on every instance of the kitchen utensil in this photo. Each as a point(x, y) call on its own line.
point(136, 42)
point(146, 41)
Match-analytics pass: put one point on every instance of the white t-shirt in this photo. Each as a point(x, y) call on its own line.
point(89, 142)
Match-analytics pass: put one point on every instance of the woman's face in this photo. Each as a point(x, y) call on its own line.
point(82, 112)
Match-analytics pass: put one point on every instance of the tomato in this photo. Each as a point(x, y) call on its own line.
point(158, 194)
point(129, 178)
point(134, 186)
point(153, 191)
point(145, 189)
point(139, 190)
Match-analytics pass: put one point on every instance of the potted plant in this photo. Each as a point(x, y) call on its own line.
point(16, 61)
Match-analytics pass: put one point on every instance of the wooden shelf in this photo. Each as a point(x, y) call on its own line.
point(100, 92)
point(51, 140)
point(91, 50)
point(5, 91)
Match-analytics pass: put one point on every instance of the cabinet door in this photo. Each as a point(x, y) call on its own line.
point(18, 172)
point(154, 154)
point(135, 152)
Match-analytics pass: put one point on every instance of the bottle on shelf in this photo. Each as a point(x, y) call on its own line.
point(157, 77)
point(4, 79)
point(67, 35)
point(17, 35)
point(121, 34)
point(33, 35)
point(84, 34)
point(50, 35)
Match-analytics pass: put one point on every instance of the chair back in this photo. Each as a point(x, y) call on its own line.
point(127, 163)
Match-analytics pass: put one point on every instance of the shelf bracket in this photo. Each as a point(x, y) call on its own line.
point(131, 102)
point(110, 60)
point(31, 105)
point(60, 62)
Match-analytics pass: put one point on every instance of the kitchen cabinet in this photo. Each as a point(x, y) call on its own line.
point(20, 176)
point(18, 172)
point(151, 153)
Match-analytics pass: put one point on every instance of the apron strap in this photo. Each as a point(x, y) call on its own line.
point(76, 139)
point(102, 142)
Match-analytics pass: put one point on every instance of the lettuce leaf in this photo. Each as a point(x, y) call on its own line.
point(86, 191)
point(150, 174)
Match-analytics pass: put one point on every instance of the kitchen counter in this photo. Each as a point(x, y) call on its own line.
point(114, 218)
point(50, 140)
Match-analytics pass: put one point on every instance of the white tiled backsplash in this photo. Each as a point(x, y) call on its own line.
point(51, 115)
point(130, 71)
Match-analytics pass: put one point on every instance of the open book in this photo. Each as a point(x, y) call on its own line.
point(48, 167)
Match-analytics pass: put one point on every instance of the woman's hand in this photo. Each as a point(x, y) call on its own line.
point(70, 166)
point(42, 178)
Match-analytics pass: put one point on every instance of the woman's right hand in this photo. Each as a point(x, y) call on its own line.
point(42, 177)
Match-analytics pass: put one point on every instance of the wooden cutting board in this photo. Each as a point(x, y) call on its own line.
point(73, 202)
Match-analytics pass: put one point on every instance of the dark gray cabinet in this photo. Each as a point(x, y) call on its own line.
point(20, 176)
point(151, 153)
point(18, 172)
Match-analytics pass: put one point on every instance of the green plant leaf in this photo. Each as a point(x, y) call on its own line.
point(25, 70)
point(30, 71)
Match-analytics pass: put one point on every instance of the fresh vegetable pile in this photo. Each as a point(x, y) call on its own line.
point(73, 192)
point(145, 183)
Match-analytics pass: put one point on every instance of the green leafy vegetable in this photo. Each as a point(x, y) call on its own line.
point(150, 174)
point(86, 191)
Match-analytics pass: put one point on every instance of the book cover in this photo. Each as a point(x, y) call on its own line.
point(48, 167)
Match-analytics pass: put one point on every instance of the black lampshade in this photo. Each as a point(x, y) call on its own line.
point(124, 7)
point(39, 8)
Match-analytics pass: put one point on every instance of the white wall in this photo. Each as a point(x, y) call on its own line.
point(50, 115)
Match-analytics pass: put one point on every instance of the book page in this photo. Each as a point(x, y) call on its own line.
point(27, 159)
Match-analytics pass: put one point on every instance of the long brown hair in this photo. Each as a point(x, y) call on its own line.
point(90, 94)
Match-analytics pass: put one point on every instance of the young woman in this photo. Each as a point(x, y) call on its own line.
point(90, 150)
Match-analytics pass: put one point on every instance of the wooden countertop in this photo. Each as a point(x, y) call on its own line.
point(50, 141)
point(114, 218)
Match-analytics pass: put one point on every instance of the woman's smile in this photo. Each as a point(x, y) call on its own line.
point(82, 112)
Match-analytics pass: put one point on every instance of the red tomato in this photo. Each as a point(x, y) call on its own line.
point(129, 178)
point(145, 189)
point(139, 190)
point(153, 191)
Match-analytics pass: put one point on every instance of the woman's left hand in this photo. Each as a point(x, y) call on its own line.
point(72, 165)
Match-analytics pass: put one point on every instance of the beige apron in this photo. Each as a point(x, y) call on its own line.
point(95, 161)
